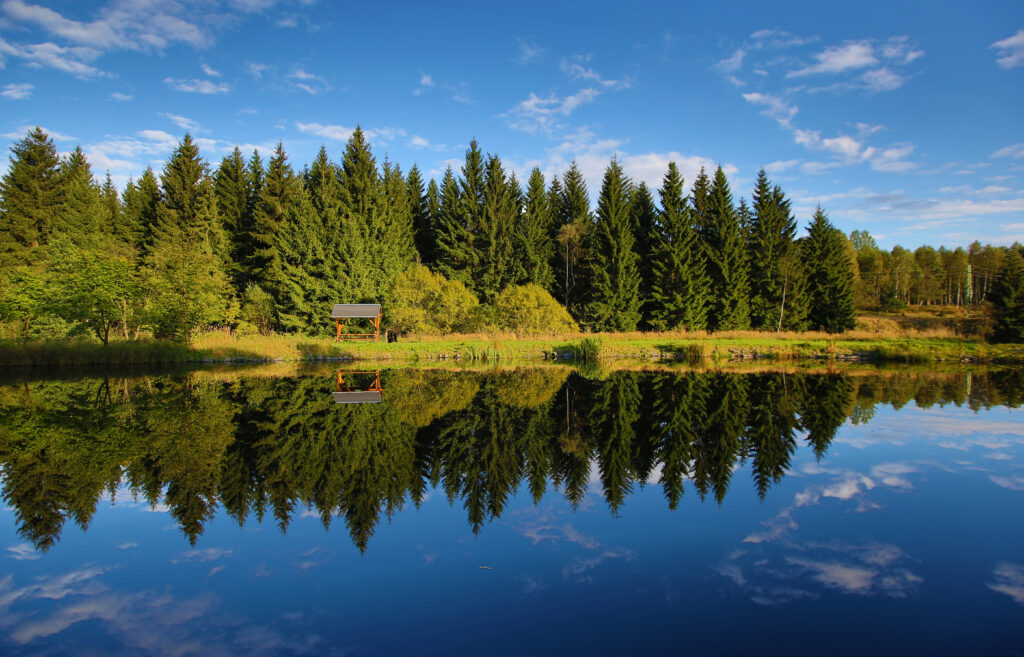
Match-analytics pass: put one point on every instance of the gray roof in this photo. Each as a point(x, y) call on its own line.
point(359, 397)
point(355, 310)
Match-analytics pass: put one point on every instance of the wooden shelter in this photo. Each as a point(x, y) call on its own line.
point(342, 312)
point(347, 394)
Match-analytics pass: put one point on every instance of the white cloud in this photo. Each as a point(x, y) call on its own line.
point(537, 113)
point(419, 142)
point(1010, 483)
point(198, 86)
point(575, 69)
point(1016, 151)
point(309, 82)
point(1009, 580)
point(529, 52)
point(425, 83)
point(775, 38)
point(1010, 50)
point(882, 79)
point(780, 165)
point(255, 69)
point(900, 49)
point(21, 131)
point(23, 552)
point(733, 62)
point(209, 70)
point(69, 60)
point(335, 132)
point(203, 556)
point(775, 107)
point(836, 59)
point(182, 122)
point(17, 91)
point(120, 97)
point(848, 578)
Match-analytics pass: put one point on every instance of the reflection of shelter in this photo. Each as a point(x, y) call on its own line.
point(349, 393)
point(345, 311)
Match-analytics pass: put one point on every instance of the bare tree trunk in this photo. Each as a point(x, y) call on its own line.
point(782, 306)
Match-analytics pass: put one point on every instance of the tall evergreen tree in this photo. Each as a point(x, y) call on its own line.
point(188, 209)
point(534, 246)
point(305, 275)
point(231, 186)
point(644, 216)
point(148, 210)
point(458, 234)
point(30, 198)
point(572, 224)
point(279, 188)
point(727, 261)
point(772, 257)
point(82, 211)
point(830, 276)
point(497, 232)
point(392, 246)
point(614, 304)
point(1008, 299)
point(679, 280)
point(421, 216)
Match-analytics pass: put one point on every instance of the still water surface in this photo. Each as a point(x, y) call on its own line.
point(526, 511)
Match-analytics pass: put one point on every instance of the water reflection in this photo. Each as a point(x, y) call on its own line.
point(255, 445)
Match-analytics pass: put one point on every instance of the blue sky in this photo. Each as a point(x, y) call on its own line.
point(905, 119)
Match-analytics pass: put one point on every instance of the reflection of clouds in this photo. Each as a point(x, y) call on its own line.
point(845, 486)
point(865, 569)
point(531, 584)
point(1012, 483)
point(205, 555)
point(548, 528)
point(1009, 580)
point(127, 546)
point(23, 552)
point(958, 429)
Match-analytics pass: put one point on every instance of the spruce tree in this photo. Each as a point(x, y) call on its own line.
point(361, 198)
point(112, 219)
point(305, 276)
point(534, 246)
point(458, 234)
point(279, 188)
point(231, 185)
point(497, 231)
point(392, 245)
point(643, 215)
point(679, 280)
point(82, 210)
point(1008, 299)
point(830, 276)
point(727, 261)
point(614, 303)
point(421, 216)
point(572, 224)
point(188, 209)
point(772, 256)
point(30, 198)
point(146, 212)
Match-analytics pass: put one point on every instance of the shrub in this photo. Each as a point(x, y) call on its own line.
point(422, 301)
point(529, 309)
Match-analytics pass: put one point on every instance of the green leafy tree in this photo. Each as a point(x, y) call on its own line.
point(530, 310)
point(191, 291)
point(727, 259)
point(679, 284)
point(259, 309)
point(830, 277)
point(614, 304)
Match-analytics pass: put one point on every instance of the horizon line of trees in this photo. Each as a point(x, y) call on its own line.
point(274, 248)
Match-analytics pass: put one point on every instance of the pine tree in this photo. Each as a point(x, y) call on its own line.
point(391, 232)
point(572, 225)
point(304, 273)
point(679, 285)
point(279, 188)
point(30, 198)
point(644, 215)
point(421, 216)
point(727, 266)
point(458, 235)
point(614, 303)
point(188, 208)
point(534, 246)
point(82, 211)
point(146, 212)
point(496, 233)
point(231, 185)
point(1008, 299)
point(830, 276)
point(361, 198)
point(771, 254)
point(111, 215)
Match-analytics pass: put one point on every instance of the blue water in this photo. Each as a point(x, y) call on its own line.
point(906, 536)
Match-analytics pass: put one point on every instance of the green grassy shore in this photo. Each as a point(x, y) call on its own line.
point(861, 345)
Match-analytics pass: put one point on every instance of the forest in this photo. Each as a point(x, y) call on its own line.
point(265, 247)
point(273, 447)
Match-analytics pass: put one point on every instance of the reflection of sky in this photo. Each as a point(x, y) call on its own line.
point(907, 530)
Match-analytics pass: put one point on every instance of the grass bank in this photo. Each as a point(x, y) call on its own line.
point(929, 346)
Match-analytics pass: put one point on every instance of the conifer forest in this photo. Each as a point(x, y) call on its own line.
point(269, 246)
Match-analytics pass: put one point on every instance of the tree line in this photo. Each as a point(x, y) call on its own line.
point(269, 448)
point(270, 248)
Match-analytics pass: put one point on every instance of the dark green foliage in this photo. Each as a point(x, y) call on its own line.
point(142, 210)
point(278, 191)
point(614, 303)
point(644, 216)
point(460, 220)
point(726, 254)
point(829, 277)
point(304, 277)
point(1008, 299)
point(496, 234)
point(535, 248)
point(570, 204)
point(30, 198)
point(231, 185)
point(775, 272)
point(421, 215)
point(679, 281)
point(82, 211)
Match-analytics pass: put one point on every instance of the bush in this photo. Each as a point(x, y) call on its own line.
point(422, 301)
point(258, 308)
point(529, 309)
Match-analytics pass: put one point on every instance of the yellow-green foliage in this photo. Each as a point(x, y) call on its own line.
point(530, 310)
point(530, 387)
point(426, 302)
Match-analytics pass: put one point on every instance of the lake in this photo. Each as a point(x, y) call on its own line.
point(512, 511)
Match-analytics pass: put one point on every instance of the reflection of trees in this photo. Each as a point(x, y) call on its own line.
point(279, 445)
